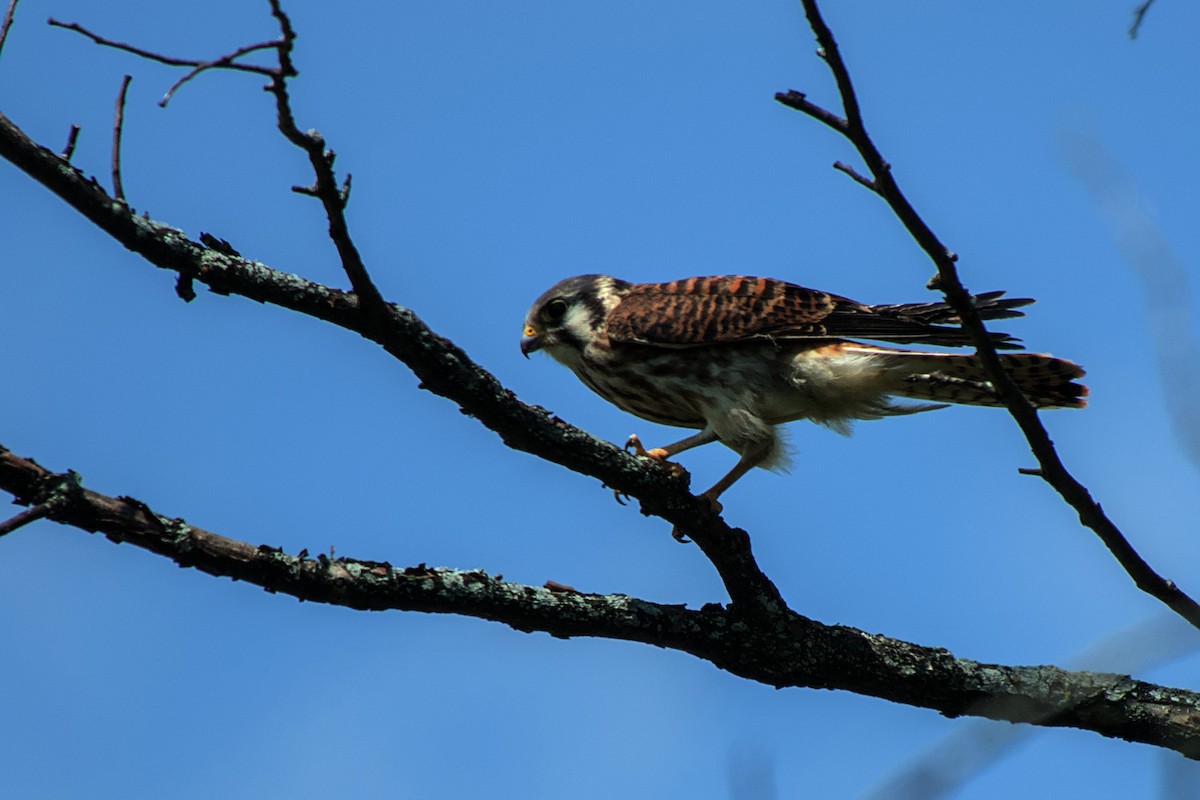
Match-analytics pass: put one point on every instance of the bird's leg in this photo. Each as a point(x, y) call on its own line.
point(750, 459)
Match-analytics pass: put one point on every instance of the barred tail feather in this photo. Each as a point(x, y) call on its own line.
point(1046, 381)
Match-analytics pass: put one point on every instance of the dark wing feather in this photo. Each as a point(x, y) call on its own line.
point(719, 309)
point(732, 308)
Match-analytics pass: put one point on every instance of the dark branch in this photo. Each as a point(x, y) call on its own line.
point(792, 652)
point(168, 60)
point(118, 128)
point(858, 177)
point(800, 102)
point(69, 148)
point(226, 61)
point(1139, 14)
point(53, 492)
point(8, 21)
point(24, 518)
point(947, 280)
point(326, 187)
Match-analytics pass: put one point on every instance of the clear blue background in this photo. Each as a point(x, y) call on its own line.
point(497, 148)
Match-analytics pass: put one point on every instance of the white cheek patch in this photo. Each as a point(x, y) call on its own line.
point(577, 324)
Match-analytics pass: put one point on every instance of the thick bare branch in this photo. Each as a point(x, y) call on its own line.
point(792, 651)
point(1051, 468)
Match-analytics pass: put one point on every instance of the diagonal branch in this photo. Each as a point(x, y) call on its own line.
point(326, 188)
point(1051, 468)
point(1139, 16)
point(442, 366)
point(796, 652)
point(9, 14)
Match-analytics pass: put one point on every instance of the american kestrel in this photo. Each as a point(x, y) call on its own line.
point(734, 356)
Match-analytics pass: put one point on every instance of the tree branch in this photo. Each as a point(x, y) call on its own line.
point(1051, 468)
point(118, 129)
point(1139, 16)
point(325, 188)
point(442, 366)
point(223, 62)
point(792, 652)
point(9, 14)
point(69, 148)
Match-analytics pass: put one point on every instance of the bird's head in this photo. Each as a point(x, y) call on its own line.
point(570, 315)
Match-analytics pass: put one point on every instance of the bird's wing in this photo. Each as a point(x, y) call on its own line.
point(734, 308)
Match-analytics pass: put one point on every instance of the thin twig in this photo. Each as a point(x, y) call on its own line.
point(224, 62)
point(1052, 469)
point(858, 177)
point(1139, 14)
point(25, 517)
point(8, 21)
point(69, 149)
point(800, 102)
point(227, 61)
point(160, 58)
point(118, 127)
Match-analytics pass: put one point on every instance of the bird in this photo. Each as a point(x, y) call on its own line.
point(733, 357)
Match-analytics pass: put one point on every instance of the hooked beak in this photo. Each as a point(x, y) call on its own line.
point(530, 341)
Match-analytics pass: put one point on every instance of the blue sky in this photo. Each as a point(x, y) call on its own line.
point(497, 148)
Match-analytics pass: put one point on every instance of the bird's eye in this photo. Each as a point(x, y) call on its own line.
point(555, 310)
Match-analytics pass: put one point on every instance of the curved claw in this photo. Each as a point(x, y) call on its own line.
point(714, 507)
point(634, 445)
point(714, 504)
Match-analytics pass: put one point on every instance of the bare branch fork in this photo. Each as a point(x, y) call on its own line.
point(228, 61)
point(757, 636)
point(325, 188)
point(1050, 466)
